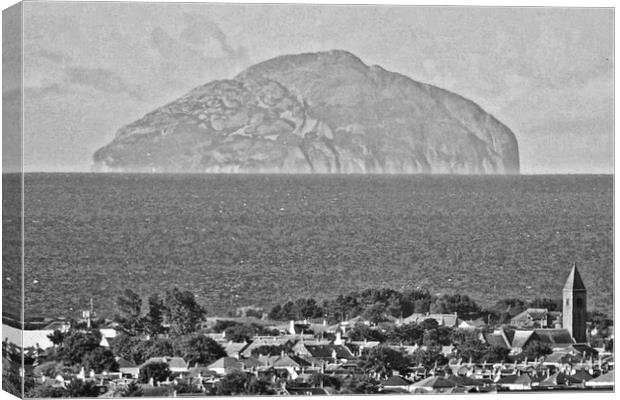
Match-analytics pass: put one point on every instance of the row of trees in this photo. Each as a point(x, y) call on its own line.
point(178, 308)
point(379, 305)
point(168, 328)
point(376, 305)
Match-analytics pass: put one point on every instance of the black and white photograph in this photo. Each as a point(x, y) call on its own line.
point(229, 199)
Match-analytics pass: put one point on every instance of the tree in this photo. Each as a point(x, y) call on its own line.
point(234, 383)
point(44, 392)
point(198, 349)
point(125, 346)
point(79, 388)
point(56, 337)
point(360, 384)
point(375, 313)
point(429, 357)
point(184, 314)
point(307, 308)
point(535, 349)
point(99, 360)
point(456, 303)
point(132, 390)
point(240, 333)
point(129, 306)
point(241, 383)
point(222, 324)
point(409, 334)
point(49, 369)
point(318, 379)
point(363, 332)
point(159, 371)
point(152, 348)
point(76, 345)
point(383, 360)
point(549, 304)
point(183, 387)
point(153, 321)
point(439, 336)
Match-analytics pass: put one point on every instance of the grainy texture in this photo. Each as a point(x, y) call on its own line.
point(325, 112)
point(236, 240)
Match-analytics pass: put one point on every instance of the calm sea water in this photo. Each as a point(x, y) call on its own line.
point(237, 240)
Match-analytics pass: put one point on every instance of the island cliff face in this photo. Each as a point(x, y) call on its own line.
point(322, 112)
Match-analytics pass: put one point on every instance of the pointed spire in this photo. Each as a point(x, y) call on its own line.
point(574, 282)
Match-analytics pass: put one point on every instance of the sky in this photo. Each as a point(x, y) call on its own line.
point(90, 68)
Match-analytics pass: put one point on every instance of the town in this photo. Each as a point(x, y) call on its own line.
point(378, 341)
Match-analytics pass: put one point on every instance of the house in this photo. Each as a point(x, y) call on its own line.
point(497, 338)
point(264, 341)
point(407, 349)
point(396, 382)
point(562, 380)
point(531, 318)
point(450, 320)
point(126, 367)
point(324, 352)
point(233, 349)
point(434, 384)
point(175, 364)
point(289, 362)
point(554, 337)
point(520, 339)
point(515, 382)
point(604, 381)
point(471, 324)
point(365, 344)
point(225, 365)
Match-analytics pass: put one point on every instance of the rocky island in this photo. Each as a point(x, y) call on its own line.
point(325, 112)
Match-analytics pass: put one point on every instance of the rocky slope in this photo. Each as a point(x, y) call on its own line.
point(322, 112)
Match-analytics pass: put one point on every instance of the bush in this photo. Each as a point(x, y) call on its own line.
point(159, 371)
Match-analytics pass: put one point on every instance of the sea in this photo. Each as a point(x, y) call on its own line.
point(241, 240)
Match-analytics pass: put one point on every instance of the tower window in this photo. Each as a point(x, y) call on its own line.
point(578, 302)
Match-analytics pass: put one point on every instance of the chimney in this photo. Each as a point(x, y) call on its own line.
point(338, 339)
point(291, 327)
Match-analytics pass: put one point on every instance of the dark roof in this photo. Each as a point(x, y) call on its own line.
point(574, 282)
point(251, 362)
point(290, 361)
point(396, 380)
point(226, 363)
point(582, 375)
point(514, 379)
point(496, 340)
point(554, 336)
point(326, 350)
point(435, 382)
point(464, 380)
point(560, 378)
point(122, 363)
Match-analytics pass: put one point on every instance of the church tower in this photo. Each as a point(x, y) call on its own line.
point(574, 306)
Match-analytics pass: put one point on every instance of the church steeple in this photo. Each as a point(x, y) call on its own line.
point(574, 282)
point(574, 306)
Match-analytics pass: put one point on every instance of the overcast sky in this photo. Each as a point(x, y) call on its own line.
point(92, 67)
